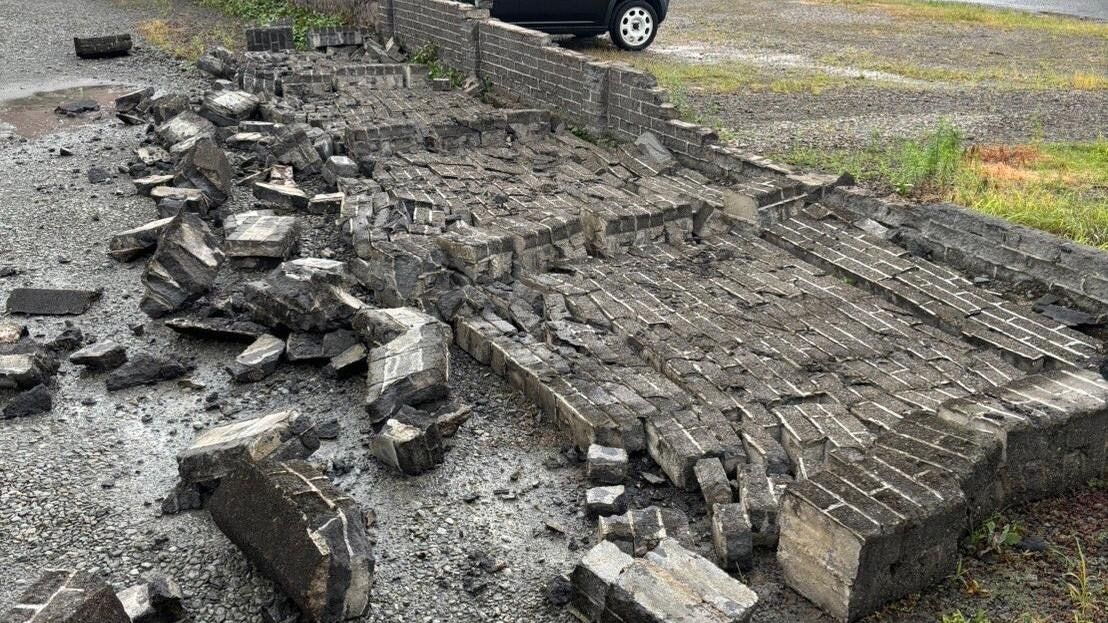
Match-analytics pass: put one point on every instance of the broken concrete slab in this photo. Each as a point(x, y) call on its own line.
point(732, 536)
point(173, 201)
point(51, 302)
point(157, 600)
point(24, 370)
point(350, 362)
point(300, 531)
point(303, 346)
point(206, 168)
point(410, 442)
point(287, 197)
point(227, 108)
point(184, 266)
point(31, 402)
point(639, 531)
point(133, 243)
point(183, 126)
point(606, 465)
point(167, 106)
point(303, 295)
point(260, 234)
point(146, 185)
point(218, 328)
point(67, 596)
point(410, 364)
point(329, 203)
point(293, 147)
point(102, 47)
point(100, 356)
point(604, 501)
point(669, 584)
point(145, 369)
point(258, 361)
point(215, 452)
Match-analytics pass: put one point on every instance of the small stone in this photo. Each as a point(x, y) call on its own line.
point(31, 402)
point(258, 361)
point(101, 356)
point(603, 501)
point(145, 369)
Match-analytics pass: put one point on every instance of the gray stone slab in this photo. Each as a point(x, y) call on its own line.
point(51, 302)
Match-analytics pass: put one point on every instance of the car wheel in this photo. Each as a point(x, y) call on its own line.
point(634, 25)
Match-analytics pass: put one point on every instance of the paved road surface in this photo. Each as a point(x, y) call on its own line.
point(1097, 9)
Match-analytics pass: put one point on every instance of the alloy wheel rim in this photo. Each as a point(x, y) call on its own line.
point(636, 26)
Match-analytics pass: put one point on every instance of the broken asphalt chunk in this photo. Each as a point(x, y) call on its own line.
point(184, 266)
point(300, 531)
point(51, 302)
point(145, 369)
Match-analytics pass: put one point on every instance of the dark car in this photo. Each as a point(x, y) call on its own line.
point(633, 24)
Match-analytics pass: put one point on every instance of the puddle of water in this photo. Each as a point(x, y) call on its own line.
point(33, 115)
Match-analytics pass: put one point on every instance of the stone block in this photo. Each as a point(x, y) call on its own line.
point(102, 47)
point(713, 482)
point(157, 600)
point(228, 108)
point(639, 531)
point(303, 295)
point(410, 364)
point(301, 532)
point(206, 168)
point(604, 501)
point(411, 442)
point(183, 126)
point(606, 465)
point(732, 536)
point(260, 234)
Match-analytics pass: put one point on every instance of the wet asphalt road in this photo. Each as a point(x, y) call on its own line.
point(1093, 9)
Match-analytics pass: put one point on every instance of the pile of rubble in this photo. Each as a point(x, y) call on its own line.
point(646, 307)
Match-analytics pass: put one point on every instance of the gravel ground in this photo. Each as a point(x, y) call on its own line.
point(888, 76)
point(82, 486)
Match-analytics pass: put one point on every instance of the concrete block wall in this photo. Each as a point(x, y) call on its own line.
point(449, 26)
point(985, 245)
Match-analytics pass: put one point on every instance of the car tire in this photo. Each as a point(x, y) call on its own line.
point(634, 25)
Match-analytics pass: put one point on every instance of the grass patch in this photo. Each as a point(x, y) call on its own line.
point(275, 11)
point(722, 77)
point(184, 41)
point(933, 11)
point(1059, 188)
point(429, 55)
